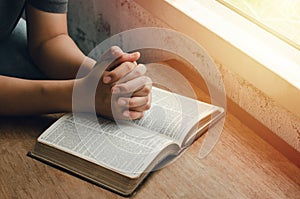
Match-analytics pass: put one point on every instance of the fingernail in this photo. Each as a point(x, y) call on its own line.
point(106, 79)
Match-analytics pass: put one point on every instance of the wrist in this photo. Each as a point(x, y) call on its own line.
point(58, 94)
point(86, 67)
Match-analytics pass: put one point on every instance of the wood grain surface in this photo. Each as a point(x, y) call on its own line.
point(241, 165)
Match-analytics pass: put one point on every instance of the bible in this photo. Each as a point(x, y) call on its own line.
point(119, 155)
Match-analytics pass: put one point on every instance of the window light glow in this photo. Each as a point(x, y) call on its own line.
point(281, 18)
point(267, 49)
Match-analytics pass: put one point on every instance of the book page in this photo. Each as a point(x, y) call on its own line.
point(128, 148)
point(173, 115)
point(125, 149)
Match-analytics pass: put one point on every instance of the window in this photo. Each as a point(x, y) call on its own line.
point(281, 18)
point(238, 44)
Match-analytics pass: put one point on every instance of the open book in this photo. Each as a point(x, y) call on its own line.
point(119, 155)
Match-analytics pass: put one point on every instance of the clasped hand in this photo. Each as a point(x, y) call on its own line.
point(123, 91)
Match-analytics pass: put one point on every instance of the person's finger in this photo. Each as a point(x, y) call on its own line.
point(133, 102)
point(132, 115)
point(119, 72)
point(138, 71)
point(144, 91)
point(130, 57)
point(133, 85)
point(115, 56)
point(112, 59)
point(119, 56)
point(125, 57)
point(116, 51)
point(113, 53)
point(141, 108)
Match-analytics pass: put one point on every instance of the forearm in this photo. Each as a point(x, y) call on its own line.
point(60, 58)
point(50, 46)
point(27, 97)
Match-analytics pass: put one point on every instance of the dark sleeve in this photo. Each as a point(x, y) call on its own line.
point(54, 6)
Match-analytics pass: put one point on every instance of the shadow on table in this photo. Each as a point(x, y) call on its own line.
point(19, 126)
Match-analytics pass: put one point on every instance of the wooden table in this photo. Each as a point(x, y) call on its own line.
point(241, 165)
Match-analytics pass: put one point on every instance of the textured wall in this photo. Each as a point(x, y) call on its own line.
point(279, 120)
point(91, 21)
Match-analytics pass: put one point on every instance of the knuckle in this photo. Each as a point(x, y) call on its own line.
point(138, 72)
point(115, 51)
point(143, 80)
point(130, 102)
point(139, 115)
point(113, 75)
point(147, 106)
point(128, 66)
point(141, 69)
point(147, 90)
point(147, 80)
point(144, 67)
point(112, 49)
point(123, 88)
